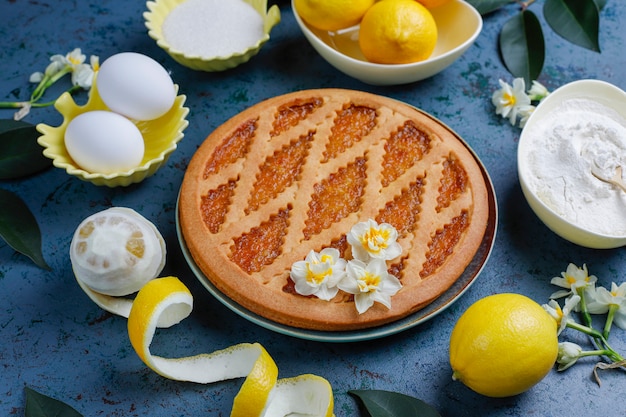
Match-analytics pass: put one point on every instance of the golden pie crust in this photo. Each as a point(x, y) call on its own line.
point(295, 172)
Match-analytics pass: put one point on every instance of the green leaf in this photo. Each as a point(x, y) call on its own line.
point(522, 46)
point(393, 404)
point(577, 21)
point(39, 405)
point(19, 228)
point(600, 4)
point(487, 6)
point(20, 154)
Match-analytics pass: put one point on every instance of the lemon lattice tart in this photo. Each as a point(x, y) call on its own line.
point(296, 172)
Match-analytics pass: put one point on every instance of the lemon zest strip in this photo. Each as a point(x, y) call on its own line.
point(164, 302)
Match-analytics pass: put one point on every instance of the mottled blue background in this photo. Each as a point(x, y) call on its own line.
point(55, 340)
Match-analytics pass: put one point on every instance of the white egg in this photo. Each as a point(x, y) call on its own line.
point(104, 142)
point(136, 86)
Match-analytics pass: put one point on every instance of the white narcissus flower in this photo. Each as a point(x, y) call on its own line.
point(59, 66)
point(75, 58)
point(601, 299)
point(568, 355)
point(319, 273)
point(538, 91)
point(510, 99)
point(561, 315)
point(72, 62)
point(525, 112)
point(82, 76)
point(82, 73)
point(573, 279)
point(370, 240)
point(369, 283)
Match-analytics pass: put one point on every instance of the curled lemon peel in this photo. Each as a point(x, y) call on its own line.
point(116, 305)
point(164, 302)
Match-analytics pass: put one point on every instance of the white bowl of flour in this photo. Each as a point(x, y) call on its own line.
point(579, 126)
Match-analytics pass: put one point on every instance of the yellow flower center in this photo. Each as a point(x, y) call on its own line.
point(570, 279)
point(509, 99)
point(559, 313)
point(74, 60)
point(318, 277)
point(375, 240)
point(369, 282)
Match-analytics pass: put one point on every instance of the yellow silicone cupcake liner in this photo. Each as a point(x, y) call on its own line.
point(158, 11)
point(160, 135)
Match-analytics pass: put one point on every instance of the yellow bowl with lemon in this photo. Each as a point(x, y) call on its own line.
point(458, 25)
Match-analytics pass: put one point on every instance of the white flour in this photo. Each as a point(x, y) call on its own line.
point(564, 146)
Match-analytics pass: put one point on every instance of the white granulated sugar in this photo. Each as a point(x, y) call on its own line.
point(213, 28)
point(564, 146)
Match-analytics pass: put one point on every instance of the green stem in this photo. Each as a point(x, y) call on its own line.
point(585, 329)
point(608, 350)
point(12, 104)
point(583, 307)
point(46, 82)
point(609, 320)
point(610, 353)
point(50, 103)
point(20, 104)
point(599, 352)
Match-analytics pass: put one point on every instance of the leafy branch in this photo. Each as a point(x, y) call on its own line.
point(521, 41)
point(71, 63)
point(21, 155)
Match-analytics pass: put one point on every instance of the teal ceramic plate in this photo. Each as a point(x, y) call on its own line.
point(470, 274)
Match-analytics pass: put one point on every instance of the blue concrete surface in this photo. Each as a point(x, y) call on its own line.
point(55, 340)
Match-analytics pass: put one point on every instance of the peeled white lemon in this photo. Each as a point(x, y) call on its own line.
point(117, 251)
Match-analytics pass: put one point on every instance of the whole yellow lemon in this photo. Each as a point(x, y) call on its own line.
point(433, 3)
point(503, 344)
point(397, 32)
point(332, 15)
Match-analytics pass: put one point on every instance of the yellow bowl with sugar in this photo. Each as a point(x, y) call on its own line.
point(159, 10)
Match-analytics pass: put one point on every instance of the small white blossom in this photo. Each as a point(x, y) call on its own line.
point(82, 76)
point(73, 62)
point(538, 91)
point(23, 111)
point(57, 64)
point(525, 112)
point(371, 240)
point(319, 273)
point(561, 315)
point(510, 99)
point(601, 299)
point(94, 61)
point(82, 73)
point(369, 283)
point(36, 77)
point(568, 355)
point(572, 279)
point(75, 58)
